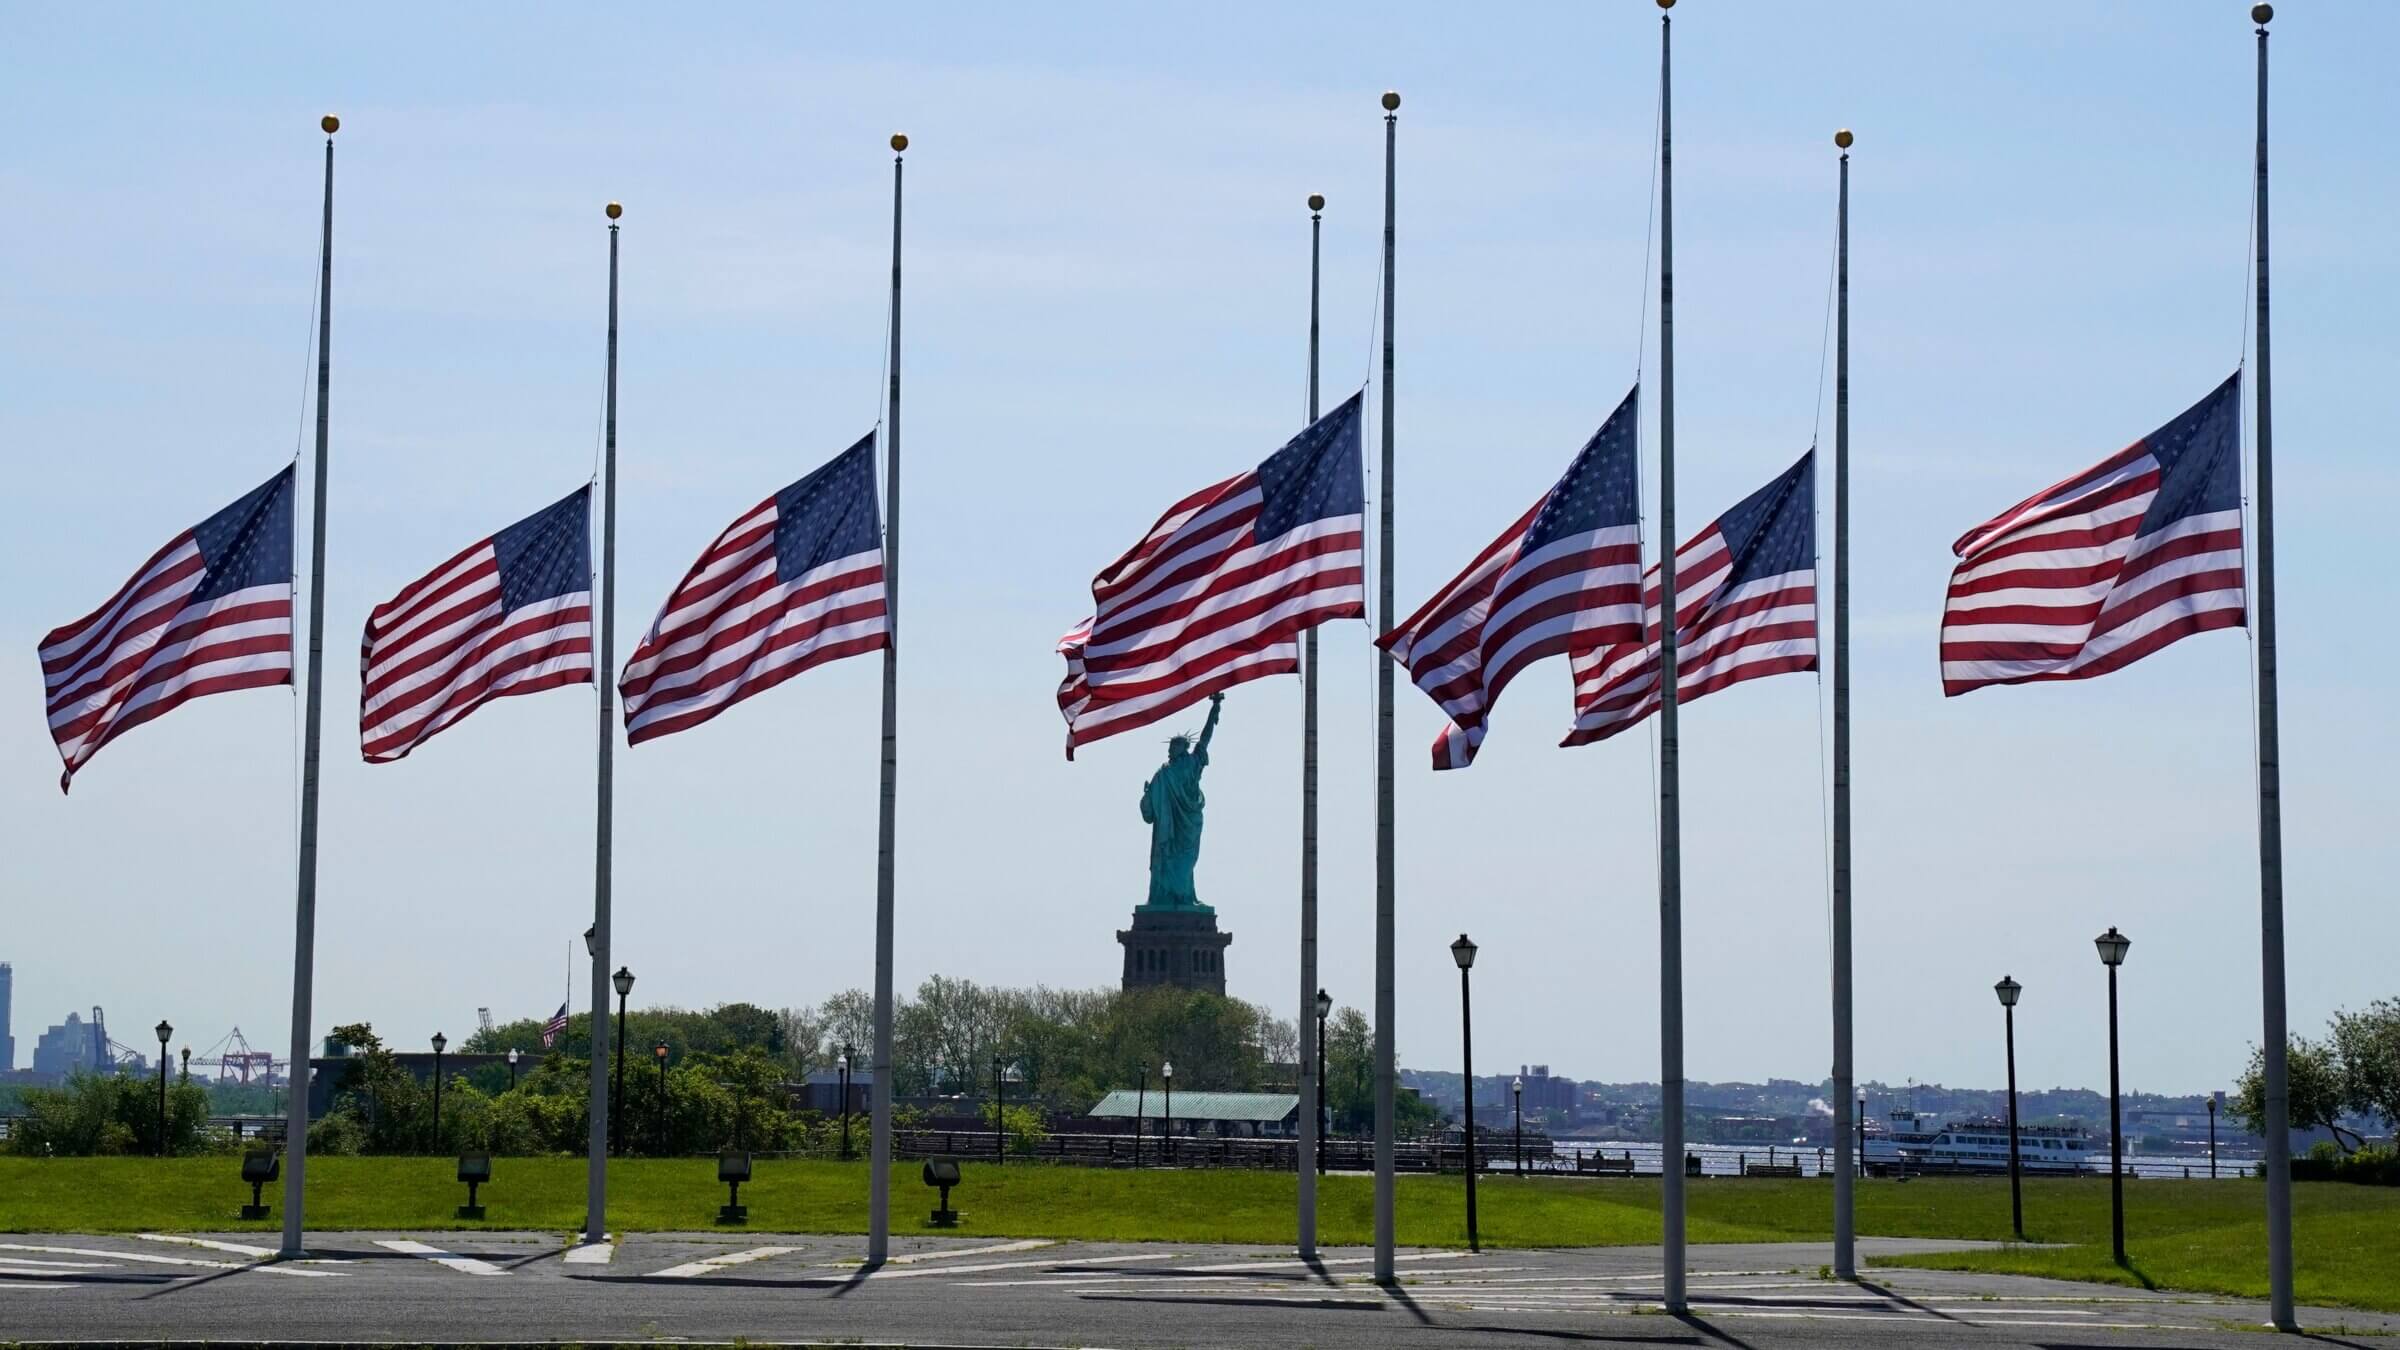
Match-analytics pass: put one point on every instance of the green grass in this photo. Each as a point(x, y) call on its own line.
point(2206, 1236)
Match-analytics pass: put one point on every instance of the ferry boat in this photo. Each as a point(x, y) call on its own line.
point(1915, 1140)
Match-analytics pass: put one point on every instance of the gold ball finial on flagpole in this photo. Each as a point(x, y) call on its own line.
point(2259, 14)
point(1843, 138)
point(1316, 201)
point(899, 142)
point(615, 209)
point(1666, 4)
point(1391, 100)
point(333, 124)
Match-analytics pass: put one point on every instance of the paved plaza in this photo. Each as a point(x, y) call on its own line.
point(464, 1287)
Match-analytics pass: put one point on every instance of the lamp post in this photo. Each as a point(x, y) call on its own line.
point(2215, 1099)
point(843, 1065)
point(2112, 945)
point(623, 980)
point(1324, 1118)
point(164, 1032)
point(1516, 1090)
point(512, 1068)
point(660, 1050)
point(1463, 952)
point(1166, 1124)
point(440, 1043)
point(2008, 990)
point(999, 1115)
point(1861, 1113)
point(187, 1066)
point(1141, 1103)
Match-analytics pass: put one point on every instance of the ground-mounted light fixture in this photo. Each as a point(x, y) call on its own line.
point(733, 1168)
point(475, 1169)
point(943, 1172)
point(259, 1166)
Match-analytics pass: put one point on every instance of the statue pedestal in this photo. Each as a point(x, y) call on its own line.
point(1179, 947)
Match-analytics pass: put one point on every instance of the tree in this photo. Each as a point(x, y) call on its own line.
point(1350, 1071)
point(2313, 1080)
point(2369, 1046)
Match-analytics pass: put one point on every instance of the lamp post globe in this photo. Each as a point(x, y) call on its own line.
point(591, 940)
point(512, 1068)
point(1324, 1005)
point(1463, 952)
point(623, 980)
point(2112, 946)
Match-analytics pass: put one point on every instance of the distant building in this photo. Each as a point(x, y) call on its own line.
point(1547, 1096)
point(1248, 1114)
point(821, 1092)
point(8, 1039)
point(72, 1046)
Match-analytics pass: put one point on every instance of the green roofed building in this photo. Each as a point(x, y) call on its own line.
point(1247, 1115)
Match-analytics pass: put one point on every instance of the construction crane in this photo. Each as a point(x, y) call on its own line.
point(236, 1062)
point(109, 1056)
point(483, 1018)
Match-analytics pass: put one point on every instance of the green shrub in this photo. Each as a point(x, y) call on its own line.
point(110, 1114)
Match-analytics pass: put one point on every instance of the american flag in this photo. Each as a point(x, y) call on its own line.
point(1746, 607)
point(208, 613)
point(794, 583)
point(1566, 576)
point(1217, 590)
point(555, 1027)
point(2107, 567)
point(510, 615)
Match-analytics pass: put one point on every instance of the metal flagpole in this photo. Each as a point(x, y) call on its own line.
point(879, 1146)
point(1306, 1156)
point(1385, 1115)
point(595, 1224)
point(1845, 1260)
point(1670, 807)
point(304, 918)
point(2270, 781)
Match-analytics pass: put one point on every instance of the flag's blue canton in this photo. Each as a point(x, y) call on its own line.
point(1319, 475)
point(1774, 530)
point(2199, 458)
point(1598, 491)
point(829, 515)
point(548, 553)
point(248, 543)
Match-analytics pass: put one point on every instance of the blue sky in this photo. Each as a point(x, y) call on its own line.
point(1107, 286)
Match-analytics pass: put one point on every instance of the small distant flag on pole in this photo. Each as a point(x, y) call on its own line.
point(1746, 601)
point(1218, 589)
point(2092, 575)
point(795, 583)
point(1566, 577)
point(208, 613)
point(555, 1027)
point(510, 615)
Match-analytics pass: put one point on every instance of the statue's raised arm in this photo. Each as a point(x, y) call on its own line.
point(1216, 706)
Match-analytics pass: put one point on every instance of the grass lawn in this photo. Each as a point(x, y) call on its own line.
point(2208, 1236)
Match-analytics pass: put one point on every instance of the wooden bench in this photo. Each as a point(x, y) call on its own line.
point(1603, 1165)
point(1771, 1170)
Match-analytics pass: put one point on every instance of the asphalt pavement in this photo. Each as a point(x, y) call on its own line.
point(765, 1288)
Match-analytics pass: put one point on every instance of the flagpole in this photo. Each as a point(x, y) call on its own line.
point(1670, 806)
point(595, 1228)
point(879, 1148)
point(2270, 781)
point(1386, 1122)
point(1306, 1155)
point(1845, 1259)
point(304, 918)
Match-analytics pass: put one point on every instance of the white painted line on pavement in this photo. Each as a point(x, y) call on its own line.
point(592, 1253)
point(37, 1262)
point(1024, 1246)
point(467, 1265)
point(716, 1263)
point(237, 1248)
point(147, 1258)
point(18, 1284)
point(981, 1266)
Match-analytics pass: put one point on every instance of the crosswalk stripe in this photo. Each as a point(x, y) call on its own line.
point(237, 1248)
point(945, 1254)
point(592, 1253)
point(466, 1265)
point(716, 1263)
point(149, 1259)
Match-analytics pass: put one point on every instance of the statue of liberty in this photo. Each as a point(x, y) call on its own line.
point(1171, 806)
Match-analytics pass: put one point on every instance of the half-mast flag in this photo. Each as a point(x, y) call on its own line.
point(555, 1027)
point(1567, 576)
point(208, 613)
point(1219, 587)
point(1746, 607)
point(511, 614)
point(2092, 575)
point(796, 582)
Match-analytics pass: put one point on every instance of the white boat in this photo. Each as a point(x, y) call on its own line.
point(1913, 1139)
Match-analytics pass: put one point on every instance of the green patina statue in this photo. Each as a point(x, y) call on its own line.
point(1171, 806)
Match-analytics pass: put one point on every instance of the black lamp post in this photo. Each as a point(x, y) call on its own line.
point(440, 1043)
point(164, 1032)
point(999, 1115)
point(1463, 952)
point(2112, 945)
point(2214, 1099)
point(1141, 1103)
point(623, 980)
point(187, 1065)
point(1166, 1124)
point(843, 1065)
point(2008, 990)
point(1516, 1090)
point(1324, 1117)
point(1862, 1129)
point(660, 1050)
point(512, 1068)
